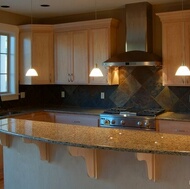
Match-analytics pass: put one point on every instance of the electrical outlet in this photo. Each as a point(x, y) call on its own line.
point(62, 94)
point(102, 96)
point(22, 95)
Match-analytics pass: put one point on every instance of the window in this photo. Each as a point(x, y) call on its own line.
point(8, 62)
point(4, 54)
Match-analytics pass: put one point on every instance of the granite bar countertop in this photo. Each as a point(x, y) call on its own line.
point(98, 138)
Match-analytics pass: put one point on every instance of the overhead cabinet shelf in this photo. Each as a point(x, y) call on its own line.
point(79, 46)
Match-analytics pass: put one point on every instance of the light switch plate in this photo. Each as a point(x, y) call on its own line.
point(62, 94)
point(102, 96)
point(22, 95)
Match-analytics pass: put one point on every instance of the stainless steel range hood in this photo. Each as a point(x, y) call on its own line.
point(139, 43)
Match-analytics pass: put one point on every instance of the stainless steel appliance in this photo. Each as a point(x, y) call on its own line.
point(130, 119)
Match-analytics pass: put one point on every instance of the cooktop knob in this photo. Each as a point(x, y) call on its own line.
point(147, 124)
point(139, 123)
point(113, 121)
point(122, 122)
point(107, 122)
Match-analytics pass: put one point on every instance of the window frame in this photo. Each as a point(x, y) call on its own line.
point(13, 32)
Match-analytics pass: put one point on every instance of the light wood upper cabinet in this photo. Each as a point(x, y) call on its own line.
point(175, 28)
point(102, 47)
point(36, 50)
point(81, 45)
point(71, 57)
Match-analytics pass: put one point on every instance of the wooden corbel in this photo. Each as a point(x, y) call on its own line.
point(5, 139)
point(44, 148)
point(90, 156)
point(150, 161)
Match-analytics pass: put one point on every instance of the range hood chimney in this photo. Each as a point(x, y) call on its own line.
point(139, 43)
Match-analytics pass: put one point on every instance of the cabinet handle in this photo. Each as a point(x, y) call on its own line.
point(76, 121)
point(181, 131)
point(69, 78)
point(72, 78)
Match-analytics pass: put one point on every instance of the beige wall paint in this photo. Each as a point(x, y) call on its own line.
point(116, 170)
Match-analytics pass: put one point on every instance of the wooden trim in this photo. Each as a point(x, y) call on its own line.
point(5, 139)
point(150, 161)
point(82, 25)
point(90, 156)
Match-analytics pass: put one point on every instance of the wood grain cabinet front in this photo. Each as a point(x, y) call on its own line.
point(36, 51)
point(80, 46)
point(175, 46)
point(37, 116)
point(74, 119)
point(174, 127)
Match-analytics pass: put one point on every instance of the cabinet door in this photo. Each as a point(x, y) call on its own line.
point(36, 50)
point(42, 57)
point(175, 46)
point(175, 127)
point(71, 57)
point(101, 50)
point(74, 119)
point(37, 116)
point(63, 55)
point(80, 57)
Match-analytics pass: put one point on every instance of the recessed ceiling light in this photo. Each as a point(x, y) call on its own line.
point(5, 6)
point(45, 5)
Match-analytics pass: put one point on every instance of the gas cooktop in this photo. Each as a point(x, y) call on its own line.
point(135, 112)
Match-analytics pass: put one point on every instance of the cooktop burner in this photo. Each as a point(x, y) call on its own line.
point(135, 112)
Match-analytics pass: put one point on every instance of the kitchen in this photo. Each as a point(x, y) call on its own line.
point(135, 89)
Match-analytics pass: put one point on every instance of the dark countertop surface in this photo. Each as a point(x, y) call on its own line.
point(174, 116)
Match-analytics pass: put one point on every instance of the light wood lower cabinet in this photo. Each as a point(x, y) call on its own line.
point(88, 120)
point(74, 119)
point(37, 116)
point(175, 127)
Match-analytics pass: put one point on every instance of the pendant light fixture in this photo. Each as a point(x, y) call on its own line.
point(31, 71)
point(96, 72)
point(183, 70)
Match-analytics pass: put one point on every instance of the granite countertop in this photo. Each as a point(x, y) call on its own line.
point(98, 138)
point(76, 110)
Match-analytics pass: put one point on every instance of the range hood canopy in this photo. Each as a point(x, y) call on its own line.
point(134, 58)
point(139, 43)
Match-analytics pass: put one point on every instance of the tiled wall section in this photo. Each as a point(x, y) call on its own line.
point(140, 87)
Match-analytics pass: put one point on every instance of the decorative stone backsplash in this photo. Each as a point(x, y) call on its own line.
point(140, 87)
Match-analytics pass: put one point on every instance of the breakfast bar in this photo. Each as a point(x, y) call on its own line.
point(97, 138)
point(83, 141)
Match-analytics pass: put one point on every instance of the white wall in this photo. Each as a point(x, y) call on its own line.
point(117, 170)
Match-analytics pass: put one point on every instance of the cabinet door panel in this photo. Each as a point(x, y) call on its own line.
point(63, 54)
point(175, 127)
point(99, 52)
point(36, 50)
point(175, 46)
point(42, 56)
point(80, 57)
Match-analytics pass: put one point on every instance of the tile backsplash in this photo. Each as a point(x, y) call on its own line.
point(139, 87)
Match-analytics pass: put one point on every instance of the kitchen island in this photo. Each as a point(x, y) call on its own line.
point(42, 155)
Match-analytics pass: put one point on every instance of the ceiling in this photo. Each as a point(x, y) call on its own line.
point(67, 7)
